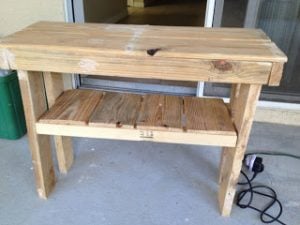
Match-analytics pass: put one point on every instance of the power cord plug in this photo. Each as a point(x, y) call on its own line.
point(255, 165)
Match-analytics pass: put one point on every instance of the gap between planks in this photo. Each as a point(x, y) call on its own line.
point(153, 112)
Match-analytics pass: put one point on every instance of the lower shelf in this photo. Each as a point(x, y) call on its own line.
point(123, 116)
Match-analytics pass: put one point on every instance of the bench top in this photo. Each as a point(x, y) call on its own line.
point(94, 48)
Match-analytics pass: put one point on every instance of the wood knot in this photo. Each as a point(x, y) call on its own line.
point(153, 51)
point(119, 124)
point(222, 65)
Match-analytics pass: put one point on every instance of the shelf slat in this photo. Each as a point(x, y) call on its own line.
point(73, 107)
point(159, 118)
point(116, 110)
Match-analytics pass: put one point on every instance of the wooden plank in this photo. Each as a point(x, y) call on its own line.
point(205, 50)
point(63, 145)
point(117, 30)
point(243, 105)
point(149, 67)
point(117, 110)
point(206, 114)
point(160, 112)
point(276, 74)
point(74, 106)
point(64, 153)
point(146, 113)
point(137, 134)
point(87, 50)
point(54, 86)
point(34, 101)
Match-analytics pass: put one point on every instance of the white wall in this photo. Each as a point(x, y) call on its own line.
point(17, 14)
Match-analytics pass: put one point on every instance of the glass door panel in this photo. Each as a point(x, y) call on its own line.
point(280, 19)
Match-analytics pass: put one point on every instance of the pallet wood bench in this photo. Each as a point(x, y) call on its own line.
point(245, 58)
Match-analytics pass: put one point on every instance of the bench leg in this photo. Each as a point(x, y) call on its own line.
point(64, 152)
point(35, 104)
point(242, 106)
point(63, 145)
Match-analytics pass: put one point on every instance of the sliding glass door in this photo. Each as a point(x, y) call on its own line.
point(280, 19)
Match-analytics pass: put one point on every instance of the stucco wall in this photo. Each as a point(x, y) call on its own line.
point(17, 14)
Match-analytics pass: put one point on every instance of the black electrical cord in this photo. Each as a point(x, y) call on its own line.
point(265, 217)
point(247, 179)
point(272, 153)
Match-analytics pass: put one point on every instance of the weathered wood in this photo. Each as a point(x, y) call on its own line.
point(243, 104)
point(191, 54)
point(63, 145)
point(75, 106)
point(165, 136)
point(54, 86)
point(276, 74)
point(144, 115)
point(64, 152)
point(246, 57)
point(34, 101)
point(180, 69)
point(160, 112)
point(93, 30)
point(209, 113)
point(116, 110)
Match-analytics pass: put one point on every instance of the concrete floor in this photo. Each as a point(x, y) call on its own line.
point(127, 183)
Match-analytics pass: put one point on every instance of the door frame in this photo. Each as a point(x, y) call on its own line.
point(213, 18)
point(213, 7)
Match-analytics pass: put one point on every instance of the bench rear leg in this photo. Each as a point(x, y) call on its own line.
point(63, 145)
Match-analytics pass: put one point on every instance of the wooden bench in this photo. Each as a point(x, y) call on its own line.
point(246, 58)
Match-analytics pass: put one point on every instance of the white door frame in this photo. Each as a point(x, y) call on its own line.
point(77, 7)
point(209, 19)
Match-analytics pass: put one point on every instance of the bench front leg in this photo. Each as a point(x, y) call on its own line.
point(243, 102)
point(35, 104)
point(63, 145)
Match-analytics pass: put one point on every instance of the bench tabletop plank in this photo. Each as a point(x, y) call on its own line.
point(185, 42)
point(228, 55)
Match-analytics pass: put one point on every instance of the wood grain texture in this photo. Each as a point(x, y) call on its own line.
point(54, 86)
point(276, 74)
point(148, 114)
point(208, 113)
point(136, 134)
point(243, 104)
point(146, 67)
point(121, 50)
point(64, 153)
point(35, 104)
point(75, 106)
point(160, 112)
point(63, 145)
point(116, 110)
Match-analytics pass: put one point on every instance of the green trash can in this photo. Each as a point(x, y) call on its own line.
point(12, 119)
